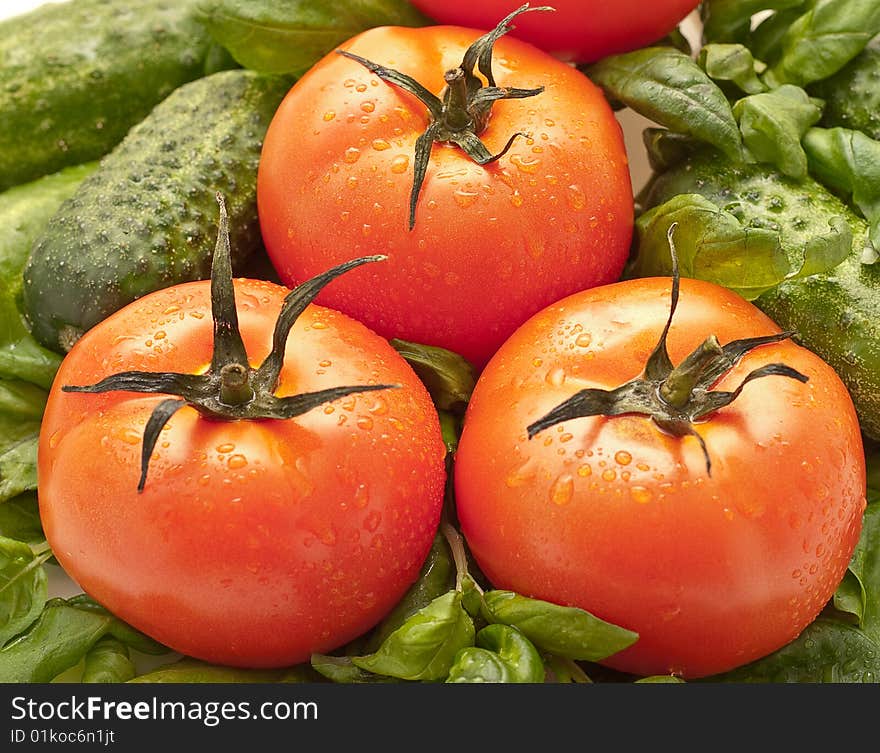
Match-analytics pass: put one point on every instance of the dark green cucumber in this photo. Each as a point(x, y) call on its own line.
point(837, 314)
point(852, 96)
point(75, 76)
point(147, 217)
point(24, 212)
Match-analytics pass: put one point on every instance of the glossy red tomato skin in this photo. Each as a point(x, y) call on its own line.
point(578, 30)
point(491, 245)
point(253, 543)
point(616, 517)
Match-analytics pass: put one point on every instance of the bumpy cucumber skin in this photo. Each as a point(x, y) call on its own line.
point(836, 315)
point(147, 217)
point(852, 96)
point(75, 76)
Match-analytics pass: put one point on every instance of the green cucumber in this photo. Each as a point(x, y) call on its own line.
point(852, 96)
point(147, 217)
point(24, 212)
point(835, 314)
point(75, 76)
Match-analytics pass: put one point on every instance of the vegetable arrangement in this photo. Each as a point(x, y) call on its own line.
point(499, 421)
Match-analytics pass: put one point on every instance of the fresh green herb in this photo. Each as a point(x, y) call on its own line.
point(565, 631)
point(425, 646)
point(191, 670)
point(501, 654)
point(668, 87)
point(290, 37)
point(849, 162)
point(23, 587)
point(773, 123)
point(108, 661)
point(62, 635)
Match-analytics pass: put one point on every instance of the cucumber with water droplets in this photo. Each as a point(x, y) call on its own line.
point(75, 76)
point(836, 314)
point(147, 217)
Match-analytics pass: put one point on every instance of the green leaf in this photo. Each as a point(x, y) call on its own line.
point(108, 661)
point(289, 37)
point(21, 407)
point(341, 669)
point(24, 212)
point(848, 162)
point(566, 631)
point(824, 39)
point(668, 87)
point(189, 670)
point(859, 592)
point(20, 520)
point(827, 651)
point(502, 654)
point(714, 245)
point(425, 646)
point(660, 679)
point(734, 63)
point(773, 123)
point(730, 20)
point(63, 634)
point(666, 149)
point(766, 38)
point(449, 378)
point(23, 587)
point(436, 578)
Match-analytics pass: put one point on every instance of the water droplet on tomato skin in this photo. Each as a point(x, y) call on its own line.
point(237, 461)
point(562, 490)
point(641, 494)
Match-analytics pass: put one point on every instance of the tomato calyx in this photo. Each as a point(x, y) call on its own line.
point(463, 110)
point(231, 389)
point(674, 397)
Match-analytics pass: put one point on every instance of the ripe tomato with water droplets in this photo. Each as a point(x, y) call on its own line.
point(253, 542)
point(579, 30)
point(490, 244)
point(623, 519)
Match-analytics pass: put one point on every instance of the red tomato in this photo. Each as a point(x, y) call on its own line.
point(580, 30)
point(491, 244)
point(253, 543)
point(621, 519)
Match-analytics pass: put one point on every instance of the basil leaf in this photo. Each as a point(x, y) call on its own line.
point(824, 39)
point(191, 670)
point(425, 646)
point(734, 63)
point(766, 38)
point(849, 163)
point(826, 651)
point(23, 587)
point(21, 407)
point(773, 123)
point(859, 593)
point(289, 37)
point(503, 654)
point(20, 520)
point(567, 631)
point(62, 635)
point(714, 245)
point(562, 670)
point(730, 20)
point(668, 87)
point(436, 578)
point(448, 377)
point(341, 669)
point(108, 661)
point(665, 148)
